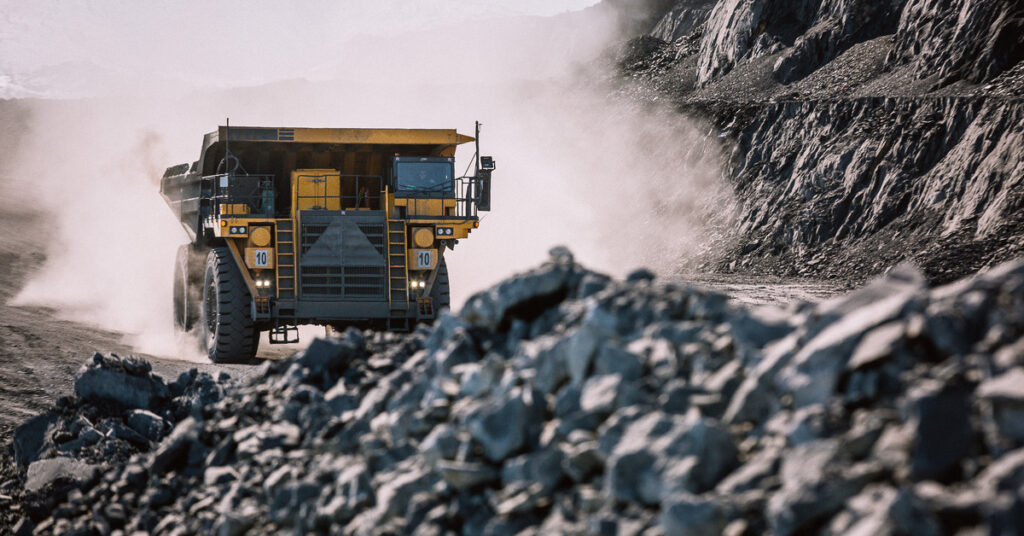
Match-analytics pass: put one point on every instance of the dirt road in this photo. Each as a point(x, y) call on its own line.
point(754, 291)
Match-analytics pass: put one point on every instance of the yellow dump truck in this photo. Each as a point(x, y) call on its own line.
point(330, 226)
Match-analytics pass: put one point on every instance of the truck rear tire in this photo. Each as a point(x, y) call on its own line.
point(228, 330)
point(187, 293)
point(441, 293)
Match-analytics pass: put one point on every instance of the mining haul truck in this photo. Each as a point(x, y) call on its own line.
point(331, 226)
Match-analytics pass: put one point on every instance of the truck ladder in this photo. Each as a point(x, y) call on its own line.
point(398, 276)
point(285, 260)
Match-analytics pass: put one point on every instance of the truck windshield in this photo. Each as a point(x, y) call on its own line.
point(424, 179)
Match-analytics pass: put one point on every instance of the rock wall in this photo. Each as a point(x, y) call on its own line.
point(960, 39)
point(863, 133)
point(811, 32)
point(939, 181)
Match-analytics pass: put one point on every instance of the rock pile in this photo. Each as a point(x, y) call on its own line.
point(564, 402)
point(120, 409)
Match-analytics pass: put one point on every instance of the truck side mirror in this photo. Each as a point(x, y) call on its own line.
point(483, 192)
point(487, 162)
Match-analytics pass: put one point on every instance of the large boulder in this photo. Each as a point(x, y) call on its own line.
point(523, 296)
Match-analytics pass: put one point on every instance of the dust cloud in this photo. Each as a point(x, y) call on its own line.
point(622, 184)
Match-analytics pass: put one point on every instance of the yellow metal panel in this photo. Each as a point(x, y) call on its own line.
point(245, 273)
point(259, 236)
point(380, 136)
point(422, 259)
point(317, 189)
point(424, 207)
point(260, 258)
point(240, 209)
point(423, 237)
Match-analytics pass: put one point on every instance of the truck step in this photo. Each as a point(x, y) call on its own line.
point(284, 335)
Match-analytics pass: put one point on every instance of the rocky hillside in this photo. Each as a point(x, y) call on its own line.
point(563, 402)
point(864, 132)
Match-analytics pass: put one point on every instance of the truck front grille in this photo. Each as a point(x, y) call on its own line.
point(343, 282)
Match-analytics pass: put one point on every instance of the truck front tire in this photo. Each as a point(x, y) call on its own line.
point(228, 332)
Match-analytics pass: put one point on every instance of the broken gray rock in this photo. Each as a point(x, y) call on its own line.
point(464, 475)
point(125, 382)
point(811, 487)
point(1006, 394)
point(943, 432)
point(691, 515)
point(393, 440)
point(43, 472)
point(32, 438)
point(146, 423)
point(502, 428)
point(600, 393)
point(525, 295)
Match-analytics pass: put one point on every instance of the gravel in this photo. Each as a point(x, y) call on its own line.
point(551, 404)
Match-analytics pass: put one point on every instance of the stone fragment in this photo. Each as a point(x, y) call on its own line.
point(943, 434)
point(329, 355)
point(582, 461)
point(43, 472)
point(542, 467)
point(757, 327)
point(214, 476)
point(87, 437)
point(465, 475)
point(146, 423)
point(693, 516)
point(812, 489)
point(640, 274)
point(812, 374)
point(174, 449)
point(1006, 394)
point(1004, 474)
point(32, 438)
point(441, 443)
point(660, 454)
point(597, 326)
point(600, 393)
point(614, 360)
point(457, 351)
point(753, 473)
point(501, 428)
point(879, 509)
point(878, 344)
point(522, 296)
point(109, 379)
point(396, 488)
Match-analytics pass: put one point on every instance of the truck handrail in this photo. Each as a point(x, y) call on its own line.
point(464, 191)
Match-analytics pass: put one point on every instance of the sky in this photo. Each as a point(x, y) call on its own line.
point(71, 47)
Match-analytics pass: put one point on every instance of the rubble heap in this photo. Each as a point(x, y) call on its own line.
point(561, 401)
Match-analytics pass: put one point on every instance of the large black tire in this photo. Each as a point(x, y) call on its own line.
point(188, 272)
point(228, 332)
point(441, 293)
